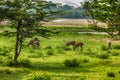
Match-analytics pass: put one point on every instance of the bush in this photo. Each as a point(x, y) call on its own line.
point(71, 63)
point(6, 70)
point(114, 53)
point(119, 72)
point(103, 55)
point(50, 52)
point(35, 55)
point(59, 50)
point(48, 47)
point(63, 48)
point(85, 60)
point(110, 74)
point(116, 46)
point(37, 76)
point(104, 48)
point(66, 48)
point(5, 50)
point(24, 62)
point(89, 52)
point(21, 62)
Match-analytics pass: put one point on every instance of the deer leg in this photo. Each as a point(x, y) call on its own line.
point(81, 48)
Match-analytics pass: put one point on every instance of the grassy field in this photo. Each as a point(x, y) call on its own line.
point(54, 60)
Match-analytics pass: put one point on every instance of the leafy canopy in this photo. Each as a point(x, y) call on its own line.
point(107, 11)
point(25, 15)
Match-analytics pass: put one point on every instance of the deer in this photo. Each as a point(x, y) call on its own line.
point(35, 43)
point(70, 43)
point(79, 44)
point(109, 45)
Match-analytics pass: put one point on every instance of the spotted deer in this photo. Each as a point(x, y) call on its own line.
point(109, 45)
point(70, 43)
point(35, 43)
point(79, 44)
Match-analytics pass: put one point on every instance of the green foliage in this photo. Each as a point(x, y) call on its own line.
point(72, 62)
point(66, 48)
point(115, 53)
point(35, 53)
point(119, 72)
point(94, 69)
point(85, 60)
point(116, 46)
point(59, 50)
point(24, 62)
point(37, 76)
point(10, 70)
point(48, 47)
point(50, 52)
point(4, 51)
point(89, 52)
point(25, 16)
point(71, 12)
point(104, 47)
point(21, 62)
point(103, 10)
point(103, 55)
point(6, 70)
point(110, 74)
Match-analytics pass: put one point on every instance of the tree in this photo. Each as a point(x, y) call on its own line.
point(25, 16)
point(89, 12)
point(107, 11)
point(71, 12)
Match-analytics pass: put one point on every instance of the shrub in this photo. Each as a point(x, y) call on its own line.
point(119, 72)
point(59, 50)
point(85, 60)
point(37, 76)
point(114, 53)
point(31, 51)
point(66, 48)
point(89, 52)
point(71, 63)
point(5, 50)
point(48, 47)
point(50, 52)
point(22, 62)
point(116, 46)
point(88, 49)
point(108, 51)
point(104, 48)
point(63, 47)
point(111, 74)
point(103, 55)
point(35, 55)
point(5, 70)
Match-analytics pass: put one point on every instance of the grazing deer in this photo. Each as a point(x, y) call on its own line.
point(79, 44)
point(70, 43)
point(35, 43)
point(109, 45)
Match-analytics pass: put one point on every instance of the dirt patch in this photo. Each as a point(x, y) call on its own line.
point(70, 22)
point(116, 41)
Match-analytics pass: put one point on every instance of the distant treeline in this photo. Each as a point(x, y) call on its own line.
point(71, 12)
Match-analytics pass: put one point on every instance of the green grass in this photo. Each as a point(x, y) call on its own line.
point(95, 69)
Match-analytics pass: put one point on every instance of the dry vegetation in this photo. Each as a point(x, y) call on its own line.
point(70, 22)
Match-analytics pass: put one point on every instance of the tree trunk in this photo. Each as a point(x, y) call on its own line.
point(18, 42)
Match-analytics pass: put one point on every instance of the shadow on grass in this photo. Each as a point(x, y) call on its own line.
point(58, 68)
